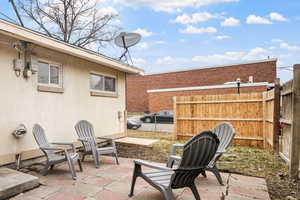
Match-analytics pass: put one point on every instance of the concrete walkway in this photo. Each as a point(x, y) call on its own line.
point(112, 182)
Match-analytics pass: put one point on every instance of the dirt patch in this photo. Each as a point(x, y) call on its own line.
point(241, 160)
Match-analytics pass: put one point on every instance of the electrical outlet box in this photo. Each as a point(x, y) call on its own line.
point(18, 65)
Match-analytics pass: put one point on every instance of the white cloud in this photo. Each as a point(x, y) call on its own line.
point(231, 21)
point(107, 11)
point(289, 47)
point(277, 40)
point(222, 37)
point(143, 45)
point(194, 18)
point(286, 46)
point(182, 40)
point(139, 61)
point(170, 5)
point(143, 32)
point(194, 30)
point(253, 19)
point(170, 60)
point(272, 47)
point(277, 17)
point(160, 42)
point(227, 57)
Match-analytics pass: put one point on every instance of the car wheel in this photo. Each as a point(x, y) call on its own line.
point(148, 120)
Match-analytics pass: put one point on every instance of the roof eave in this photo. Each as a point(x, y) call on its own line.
point(28, 35)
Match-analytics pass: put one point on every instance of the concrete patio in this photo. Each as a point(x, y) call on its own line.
point(112, 182)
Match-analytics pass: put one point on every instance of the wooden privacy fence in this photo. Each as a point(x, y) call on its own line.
point(289, 143)
point(251, 114)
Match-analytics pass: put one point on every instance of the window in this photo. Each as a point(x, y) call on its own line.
point(102, 83)
point(49, 74)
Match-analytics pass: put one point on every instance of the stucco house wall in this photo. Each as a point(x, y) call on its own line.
point(21, 102)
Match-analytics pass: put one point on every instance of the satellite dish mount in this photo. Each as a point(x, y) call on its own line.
point(126, 40)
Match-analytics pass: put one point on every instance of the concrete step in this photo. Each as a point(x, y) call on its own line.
point(13, 182)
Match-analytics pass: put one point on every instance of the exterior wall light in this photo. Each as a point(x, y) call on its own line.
point(238, 83)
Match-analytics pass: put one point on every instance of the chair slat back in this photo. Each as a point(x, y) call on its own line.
point(225, 133)
point(84, 129)
point(197, 154)
point(41, 140)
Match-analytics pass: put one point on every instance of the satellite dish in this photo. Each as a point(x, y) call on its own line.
point(126, 40)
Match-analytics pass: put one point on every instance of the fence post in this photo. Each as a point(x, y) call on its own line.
point(125, 123)
point(295, 139)
point(174, 118)
point(264, 119)
point(276, 116)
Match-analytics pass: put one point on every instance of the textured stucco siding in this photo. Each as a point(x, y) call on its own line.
point(21, 102)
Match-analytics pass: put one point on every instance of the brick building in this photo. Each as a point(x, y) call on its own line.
point(154, 92)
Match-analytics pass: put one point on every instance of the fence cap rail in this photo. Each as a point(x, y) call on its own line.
point(212, 87)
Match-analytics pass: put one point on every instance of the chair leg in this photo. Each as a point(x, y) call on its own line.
point(116, 156)
point(195, 191)
point(96, 159)
point(204, 174)
point(170, 163)
point(168, 194)
point(136, 173)
point(83, 156)
point(216, 172)
point(45, 171)
point(72, 169)
point(80, 165)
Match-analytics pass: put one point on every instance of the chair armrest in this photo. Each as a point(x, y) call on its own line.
point(105, 138)
point(151, 165)
point(52, 148)
point(175, 147)
point(83, 139)
point(65, 144)
point(174, 157)
point(110, 140)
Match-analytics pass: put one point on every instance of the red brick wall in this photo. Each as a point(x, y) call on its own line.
point(164, 101)
point(137, 85)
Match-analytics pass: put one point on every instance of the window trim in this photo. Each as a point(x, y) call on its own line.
point(60, 75)
point(103, 93)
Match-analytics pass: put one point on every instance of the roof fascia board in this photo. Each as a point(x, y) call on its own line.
point(21, 33)
point(211, 87)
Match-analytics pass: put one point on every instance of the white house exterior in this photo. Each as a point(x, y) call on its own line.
point(70, 84)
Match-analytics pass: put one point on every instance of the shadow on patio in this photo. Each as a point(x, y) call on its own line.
point(112, 182)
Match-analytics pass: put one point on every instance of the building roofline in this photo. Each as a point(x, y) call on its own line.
point(207, 87)
point(28, 35)
point(214, 66)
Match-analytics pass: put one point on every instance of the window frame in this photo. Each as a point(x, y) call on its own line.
point(60, 74)
point(95, 91)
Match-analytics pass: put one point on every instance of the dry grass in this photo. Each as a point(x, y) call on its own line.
point(242, 160)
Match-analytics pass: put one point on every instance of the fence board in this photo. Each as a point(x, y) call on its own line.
point(253, 123)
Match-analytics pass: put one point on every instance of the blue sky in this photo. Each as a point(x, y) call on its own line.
point(181, 34)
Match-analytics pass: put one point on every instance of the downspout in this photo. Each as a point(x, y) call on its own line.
point(125, 111)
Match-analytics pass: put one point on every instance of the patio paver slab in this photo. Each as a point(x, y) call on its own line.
point(13, 182)
point(113, 182)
